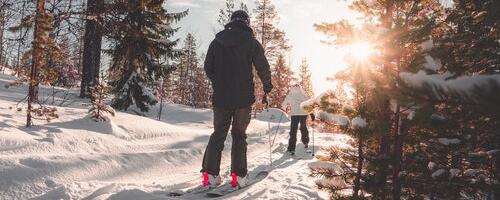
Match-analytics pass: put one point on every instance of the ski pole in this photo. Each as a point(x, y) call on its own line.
point(270, 143)
point(313, 141)
point(273, 140)
point(313, 124)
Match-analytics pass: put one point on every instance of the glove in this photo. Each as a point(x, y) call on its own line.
point(313, 117)
point(264, 100)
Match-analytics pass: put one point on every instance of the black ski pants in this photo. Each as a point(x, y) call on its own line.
point(238, 119)
point(296, 120)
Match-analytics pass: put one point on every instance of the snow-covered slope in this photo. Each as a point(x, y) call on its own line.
point(134, 157)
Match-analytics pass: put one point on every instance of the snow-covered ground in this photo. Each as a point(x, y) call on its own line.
point(132, 157)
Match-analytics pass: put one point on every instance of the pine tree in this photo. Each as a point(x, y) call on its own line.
point(470, 35)
point(203, 89)
point(272, 39)
point(185, 72)
point(282, 82)
point(391, 27)
point(141, 37)
point(67, 68)
point(458, 154)
point(305, 81)
point(5, 12)
point(44, 50)
point(99, 107)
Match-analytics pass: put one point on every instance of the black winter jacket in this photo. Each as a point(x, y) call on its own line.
point(229, 65)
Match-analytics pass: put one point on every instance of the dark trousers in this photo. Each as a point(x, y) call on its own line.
point(223, 118)
point(296, 120)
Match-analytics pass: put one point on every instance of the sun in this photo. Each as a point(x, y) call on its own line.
point(360, 50)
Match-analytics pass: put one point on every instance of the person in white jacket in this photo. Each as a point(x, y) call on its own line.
point(292, 102)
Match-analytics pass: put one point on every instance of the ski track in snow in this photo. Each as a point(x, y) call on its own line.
point(135, 158)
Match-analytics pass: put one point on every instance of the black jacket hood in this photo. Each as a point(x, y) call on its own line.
point(235, 33)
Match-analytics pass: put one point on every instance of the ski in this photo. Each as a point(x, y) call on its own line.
point(196, 190)
point(227, 188)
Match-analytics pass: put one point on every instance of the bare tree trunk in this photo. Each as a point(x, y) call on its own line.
point(357, 180)
point(384, 139)
point(2, 30)
point(91, 47)
point(496, 173)
point(35, 65)
point(397, 155)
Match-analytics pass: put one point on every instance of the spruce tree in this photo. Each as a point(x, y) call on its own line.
point(282, 81)
point(305, 81)
point(460, 155)
point(42, 71)
point(272, 39)
point(185, 72)
point(99, 108)
point(141, 37)
point(396, 30)
point(202, 96)
point(266, 31)
point(468, 41)
point(344, 169)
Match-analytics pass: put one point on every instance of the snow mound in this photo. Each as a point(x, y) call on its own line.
point(359, 122)
point(448, 141)
point(273, 115)
point(464, 84)
point(333, 118)
point(323, 165)
point(60, 193)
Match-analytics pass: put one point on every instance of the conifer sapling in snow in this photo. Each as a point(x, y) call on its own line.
point(99, 108)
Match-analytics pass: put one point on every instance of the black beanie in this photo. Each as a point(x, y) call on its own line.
point(240, 15)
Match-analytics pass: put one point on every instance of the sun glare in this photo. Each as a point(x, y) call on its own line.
point(360, 50)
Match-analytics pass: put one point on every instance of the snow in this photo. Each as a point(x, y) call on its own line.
point(327, 95)
point(454, 172)
point(493, 152)
point(431, 165)
point(273, 115)
point(359, 122)
point(463, 84)
point(135, 157)
point(431, 63)
point(438, 173)
point(325, 165)
point(448, 141)
point(333, 118)
point(427, 45)
point(60, 194)
point(471, 172)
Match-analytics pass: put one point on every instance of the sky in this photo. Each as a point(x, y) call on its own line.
point(297, 18)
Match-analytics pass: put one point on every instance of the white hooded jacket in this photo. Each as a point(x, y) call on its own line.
point(295, 97)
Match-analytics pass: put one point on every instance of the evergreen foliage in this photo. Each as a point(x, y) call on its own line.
point(282, 82)
point(305, 81)
point(272, 39)
point(141, 37)
point(99, 108)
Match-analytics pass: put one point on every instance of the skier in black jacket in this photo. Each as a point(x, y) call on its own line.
point(229, 65)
